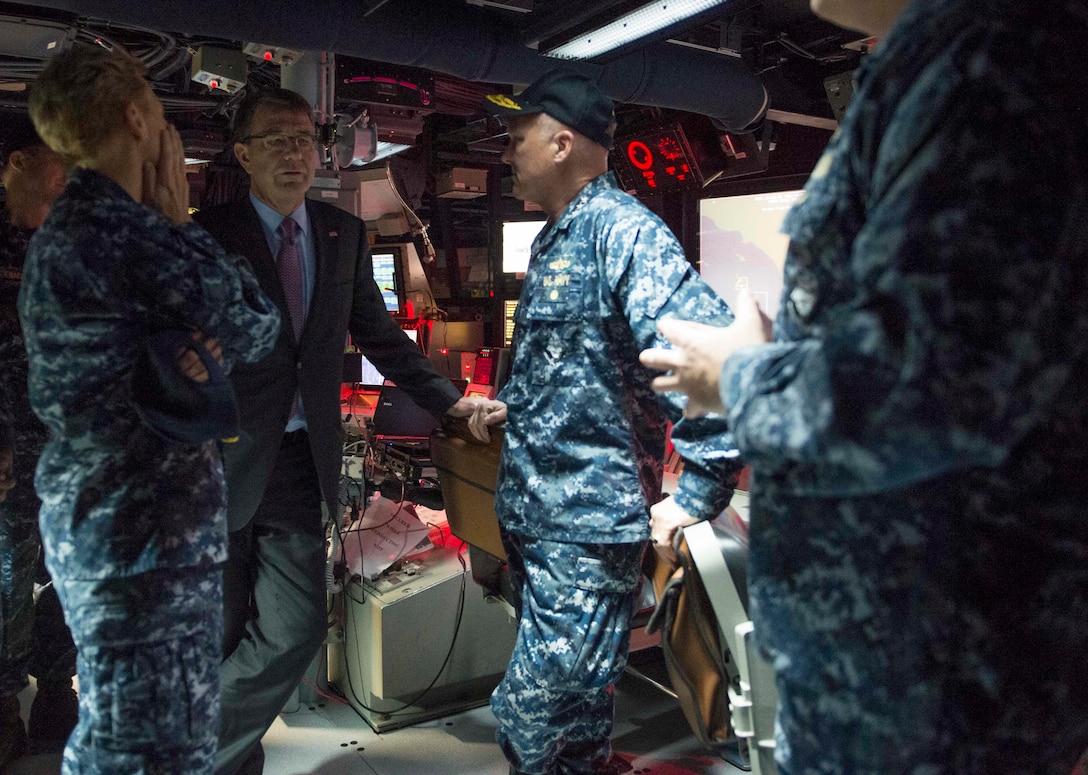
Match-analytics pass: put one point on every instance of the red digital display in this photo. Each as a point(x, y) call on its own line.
point(658, 160)
point(485, 365)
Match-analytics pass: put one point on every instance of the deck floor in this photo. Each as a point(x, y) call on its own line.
point(329, 738)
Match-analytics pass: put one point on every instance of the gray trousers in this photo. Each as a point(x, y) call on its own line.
point(274, 601)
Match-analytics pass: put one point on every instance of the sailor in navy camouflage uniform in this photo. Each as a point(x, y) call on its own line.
point(582, 458)
point(918, 429)
point(133, 525)
point(33, 636)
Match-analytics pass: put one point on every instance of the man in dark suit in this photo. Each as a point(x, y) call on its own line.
point(313, 260)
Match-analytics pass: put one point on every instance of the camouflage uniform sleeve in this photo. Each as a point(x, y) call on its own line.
point(9, 381)
point(963, 312)
point(654, 280)
point(200, 284)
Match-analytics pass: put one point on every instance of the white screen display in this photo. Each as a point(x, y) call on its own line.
point(517, 241)
point(369, 372)
point(741, 245)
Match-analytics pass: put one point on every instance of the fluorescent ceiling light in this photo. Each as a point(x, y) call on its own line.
point(388, 149)
point(632, 26)
point(382, 150)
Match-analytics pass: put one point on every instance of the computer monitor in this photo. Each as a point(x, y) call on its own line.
point(359, 370)
point(386, 261)
point(517, 242)
point(741, 245)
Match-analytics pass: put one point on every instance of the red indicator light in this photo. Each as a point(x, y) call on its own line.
point(213, 83)
point(640, 155)
point(268, 56)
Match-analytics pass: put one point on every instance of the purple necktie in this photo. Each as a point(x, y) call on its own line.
point(289, 263)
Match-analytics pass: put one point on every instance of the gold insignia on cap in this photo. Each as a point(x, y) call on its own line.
point(503, 101)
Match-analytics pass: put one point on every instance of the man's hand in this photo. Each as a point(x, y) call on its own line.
point(696, 362)
point(665, 518)
point(481, 413)
point(165, 187)
point(7, 471)
point(189, 361)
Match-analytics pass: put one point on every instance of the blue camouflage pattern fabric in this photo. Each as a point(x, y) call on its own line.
point(918, 429)
point(126, 515)
point(585, 434)
point(20, 429)
point(29, 640)
point(101, 272)
point(149, 656)
point(573, 636)
point(22, 432)
point(582, 464)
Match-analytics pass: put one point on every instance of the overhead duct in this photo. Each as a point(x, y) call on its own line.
point(453, 38)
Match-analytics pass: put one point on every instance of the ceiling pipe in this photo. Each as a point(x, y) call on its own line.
point(453, 38)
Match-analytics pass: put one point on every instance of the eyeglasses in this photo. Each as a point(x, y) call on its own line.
point(278, 142)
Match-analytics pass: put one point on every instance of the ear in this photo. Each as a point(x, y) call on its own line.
point(564, 144)
point(134, 121)
point(241, 152)
point(17, 160)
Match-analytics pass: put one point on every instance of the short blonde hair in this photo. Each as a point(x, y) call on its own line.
point(80, 97)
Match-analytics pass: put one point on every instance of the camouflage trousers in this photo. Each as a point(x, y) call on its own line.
point(33, 637)
point(555, 703)
point(149, 652)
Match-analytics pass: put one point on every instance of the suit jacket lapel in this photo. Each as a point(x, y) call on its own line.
point(251, 243)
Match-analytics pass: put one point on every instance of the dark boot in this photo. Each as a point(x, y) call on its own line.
point(12, 732)
point(53, 715)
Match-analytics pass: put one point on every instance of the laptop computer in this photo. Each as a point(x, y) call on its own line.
point(399, 423)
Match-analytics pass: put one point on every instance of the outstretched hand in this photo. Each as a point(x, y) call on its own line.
point(481, 414)
point(694, 364)
point(165, 186)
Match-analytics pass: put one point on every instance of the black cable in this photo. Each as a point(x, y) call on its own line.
point(449, 653)
point(375, 527)
point(453, 641)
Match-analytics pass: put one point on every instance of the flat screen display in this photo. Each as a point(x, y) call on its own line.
point(741, 245)
point(368, 372)
point(385, 275)
point(517, 242)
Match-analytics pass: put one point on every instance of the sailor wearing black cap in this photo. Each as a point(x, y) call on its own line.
point(581, 468)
